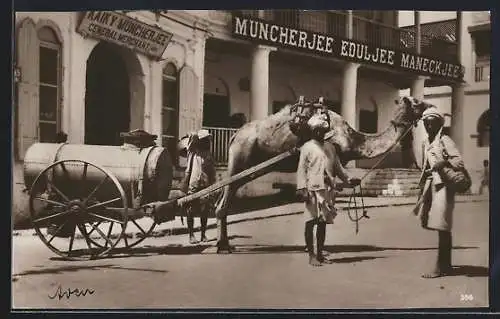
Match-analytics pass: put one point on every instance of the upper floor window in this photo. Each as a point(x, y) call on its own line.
point(482, 48)
point(49, 84)
point(170, 109)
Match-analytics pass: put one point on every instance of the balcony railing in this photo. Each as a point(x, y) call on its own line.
point(220, 143)
point(364, 30)
point(482, 73)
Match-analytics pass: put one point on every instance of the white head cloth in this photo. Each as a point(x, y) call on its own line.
point(318, 122)
point(203, 133)
point(432, 112)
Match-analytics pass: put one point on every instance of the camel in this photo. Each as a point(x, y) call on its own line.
point(260, 140)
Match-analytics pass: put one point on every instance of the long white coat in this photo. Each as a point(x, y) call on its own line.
point(437, 201)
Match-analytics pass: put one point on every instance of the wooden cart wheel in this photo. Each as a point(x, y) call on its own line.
point(137, 231)
point(74, 205)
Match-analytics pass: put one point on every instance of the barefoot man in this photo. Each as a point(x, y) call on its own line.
point(318, 166)
point(200, 173)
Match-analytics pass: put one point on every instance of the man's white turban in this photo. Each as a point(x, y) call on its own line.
point(432, 112)
point(318, 122)
point(203, 133)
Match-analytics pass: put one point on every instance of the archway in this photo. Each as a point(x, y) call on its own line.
point(483, 129)
point(216, 102)
point(114, 97)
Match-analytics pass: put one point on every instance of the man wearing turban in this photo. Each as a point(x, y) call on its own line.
point(200, 173)
point(437, 200)
point(318, 166)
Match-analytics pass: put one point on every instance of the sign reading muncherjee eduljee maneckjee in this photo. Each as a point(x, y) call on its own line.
point(123, 30)
point(269, 33)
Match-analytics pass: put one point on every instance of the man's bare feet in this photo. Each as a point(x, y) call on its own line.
point(313, 261)
point(321, 258)
point(204, 239)
point(437, 273)
point(433, 274)
point(192, 240)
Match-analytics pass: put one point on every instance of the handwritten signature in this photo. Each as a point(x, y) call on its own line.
point(60, 293)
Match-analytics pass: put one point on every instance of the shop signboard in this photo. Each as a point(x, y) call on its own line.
point(266, 32)
point(123, 30)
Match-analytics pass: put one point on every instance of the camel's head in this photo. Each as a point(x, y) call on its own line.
point(409, 111)
point(301, 112)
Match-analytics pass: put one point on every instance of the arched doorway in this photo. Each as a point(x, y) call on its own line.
point(216, 102)
point(107, 96)
point(483, 129)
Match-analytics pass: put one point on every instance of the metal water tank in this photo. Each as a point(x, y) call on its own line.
point(145, 173)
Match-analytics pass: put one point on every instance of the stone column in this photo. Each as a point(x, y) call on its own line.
point(81, 49)
point(418, 32)
point(458, 94)
point(410, 145)
point(348, 107)
point(350, 81)
point(457, 115)
point(417, 89)
point(349, 26)
point(153, 123)
point(259, 83)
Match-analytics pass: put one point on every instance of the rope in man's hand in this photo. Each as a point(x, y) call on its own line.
point(352, 206)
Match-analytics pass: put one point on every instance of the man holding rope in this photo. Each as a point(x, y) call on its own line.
point(318, 166)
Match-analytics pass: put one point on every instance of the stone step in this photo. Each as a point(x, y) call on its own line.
point(392, 175)
point(392, 182)
point(377, 182)
point(383, 193)
point(390, 186)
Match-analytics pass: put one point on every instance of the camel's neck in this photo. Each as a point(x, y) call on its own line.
point(373, 145)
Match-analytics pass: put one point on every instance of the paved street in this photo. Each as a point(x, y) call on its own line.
point(378, 268)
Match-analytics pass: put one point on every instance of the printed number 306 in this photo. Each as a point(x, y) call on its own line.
point(466, 297)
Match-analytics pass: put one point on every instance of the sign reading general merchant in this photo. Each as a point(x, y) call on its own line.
point(313, 42)
point(123, 30)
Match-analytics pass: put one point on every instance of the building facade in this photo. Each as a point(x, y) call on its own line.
point(93, 75)
point(471, 123)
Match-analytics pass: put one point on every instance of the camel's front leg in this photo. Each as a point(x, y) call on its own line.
point(222, 238)
point(238, 159)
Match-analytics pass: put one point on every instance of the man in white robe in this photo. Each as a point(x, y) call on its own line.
point(318, 166)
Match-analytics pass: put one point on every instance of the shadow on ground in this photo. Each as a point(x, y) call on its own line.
point(201, 248)
point(470, 271)
point(349, 260)
point(75, 268)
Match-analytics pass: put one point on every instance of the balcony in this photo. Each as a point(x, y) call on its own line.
point(364, 30)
